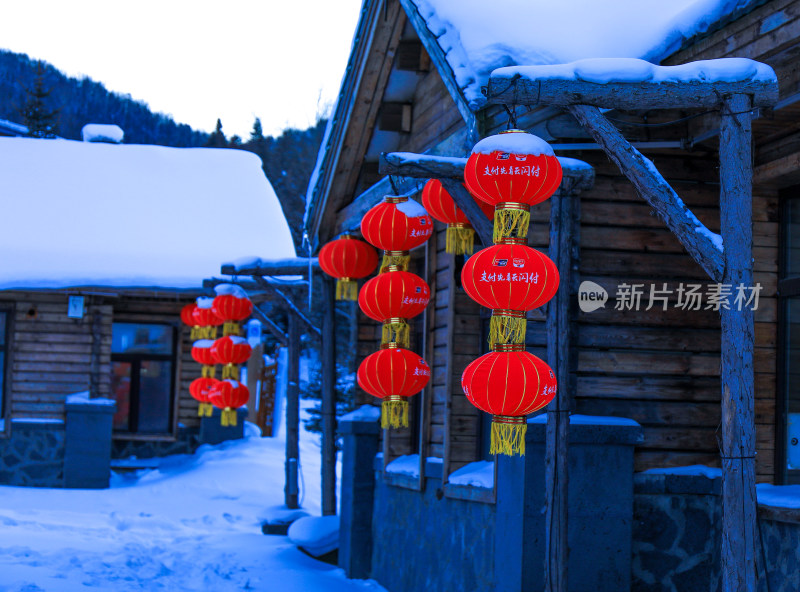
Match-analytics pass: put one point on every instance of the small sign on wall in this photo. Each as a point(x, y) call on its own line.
point(75, 307)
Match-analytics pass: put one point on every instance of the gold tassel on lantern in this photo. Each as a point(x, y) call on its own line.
point(398, 259)
point(228, 417)
point(230, 328)
point(395, 331)
point(209, 371)
point(230, 371)
point(508, 435)
point(511, 220)
point(197, 332)
point(460, 239)
point(346, 289)
point(394, 412)
point(205, 410)
point(507, 326)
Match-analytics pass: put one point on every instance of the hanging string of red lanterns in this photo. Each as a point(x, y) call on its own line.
point(511, 171)
point(394, 373)
point(229, 307)
point(347, 259)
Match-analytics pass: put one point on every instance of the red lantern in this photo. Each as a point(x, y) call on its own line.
point(186, 314)
point(396, 225)
point(201, 353)
point(460, 237)
point(391, 298)
point(229, 395)
point(230, 351)
point(393, 374)
point(509, 385)
point(512, 171)
point(205, 321)
point(231, 305)
point(199, 389)
point(510, 279)
point(347, 259)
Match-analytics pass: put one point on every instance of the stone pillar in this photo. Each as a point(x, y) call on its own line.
point(600, 503)
point(508, 545)
point(213, 432)
point(359, 431)
point(87, 455)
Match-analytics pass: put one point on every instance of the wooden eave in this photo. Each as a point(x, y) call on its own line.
point(374, 46)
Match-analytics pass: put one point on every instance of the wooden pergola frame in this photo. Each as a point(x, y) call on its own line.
point(260, 272)
point(732, 264)
point(729, 265)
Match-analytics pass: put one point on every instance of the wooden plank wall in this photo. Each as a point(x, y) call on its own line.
point(51, 354)
point(434, 116)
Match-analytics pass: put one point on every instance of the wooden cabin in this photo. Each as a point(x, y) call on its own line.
point(410, 88)
point(103, 246)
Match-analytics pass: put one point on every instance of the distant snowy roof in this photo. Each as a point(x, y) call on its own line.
point(478, 36)
point(102, 132)
point(85, 214)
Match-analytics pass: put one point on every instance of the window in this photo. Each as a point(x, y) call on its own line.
point(142, 377)
point(788, 416)
point(4, 322)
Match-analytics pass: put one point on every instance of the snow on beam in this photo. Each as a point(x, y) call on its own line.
point(629, 83)
point(276, 267)
point(349, 217)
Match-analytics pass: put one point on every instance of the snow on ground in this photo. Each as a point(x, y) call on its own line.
point(192, 524)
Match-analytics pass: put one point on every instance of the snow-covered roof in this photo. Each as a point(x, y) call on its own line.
point(102, 132)
point(87, 214)
point(478, 36)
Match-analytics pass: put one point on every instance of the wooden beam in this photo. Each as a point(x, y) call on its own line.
point(272, 327)
point(450, 171)
point(473, 212)
point(293, 310)
point(349, 218)
point(577, 176)
point(292, 466)
point(528, 86)
point(738, 399)
point(421, 166)
point(564, 248)
point(294, 266)
point(328, 411)
point(691, 233)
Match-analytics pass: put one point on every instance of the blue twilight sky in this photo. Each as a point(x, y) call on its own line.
point(197, 60)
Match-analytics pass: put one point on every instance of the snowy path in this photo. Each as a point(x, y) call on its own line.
point(194, 524)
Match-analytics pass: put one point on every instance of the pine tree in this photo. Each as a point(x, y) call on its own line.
point(41, 121)
point(257, 135)
point(217, 138)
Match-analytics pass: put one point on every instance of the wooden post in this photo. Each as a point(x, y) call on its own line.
point(738, 415)
point(328, 400)
point(254, 366)
point(564, 214)
point(293, 415)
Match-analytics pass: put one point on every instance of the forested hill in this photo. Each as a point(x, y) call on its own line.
point(82, 101)
point(288, 159)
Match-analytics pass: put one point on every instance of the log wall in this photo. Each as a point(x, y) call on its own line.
point(52, 356)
